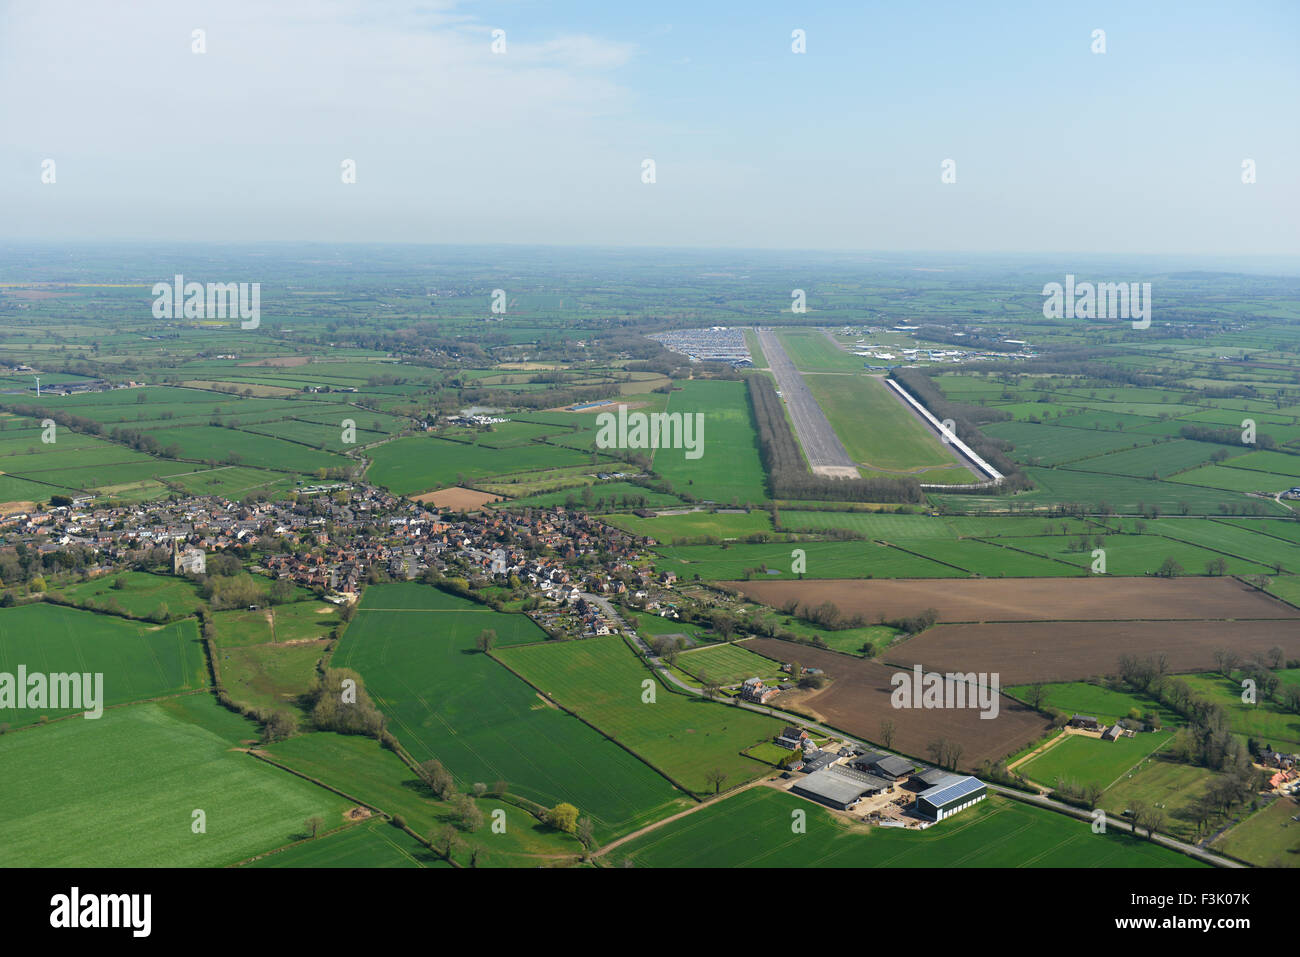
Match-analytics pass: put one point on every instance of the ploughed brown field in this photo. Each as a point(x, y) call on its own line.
point(1023, 652)
point(1030, 599)
point(858, 699)
point(457, 498)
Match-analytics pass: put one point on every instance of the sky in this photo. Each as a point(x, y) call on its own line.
point(1056, 148)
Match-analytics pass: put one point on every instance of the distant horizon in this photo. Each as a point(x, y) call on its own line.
point(1101, 129)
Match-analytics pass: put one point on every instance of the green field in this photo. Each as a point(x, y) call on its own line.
point(1104, 704)
point(728, 664)
point(692, 525)
point(449, 702)
point(823, 560)
point(1157, 782)
point(753, 829)
point(1266, 720)
point(877, 430)
point(121, 791)
point(372, 844)
point(360, 767)
point(1086, 760)
point(601, 680)
point(136, 660)
point(140, 594)
point(1268, 838)
point(728, 470)
point(420, 463)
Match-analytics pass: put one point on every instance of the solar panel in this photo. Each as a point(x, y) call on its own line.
point(947, 793)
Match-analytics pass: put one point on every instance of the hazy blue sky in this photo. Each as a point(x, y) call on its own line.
point(1138, 149)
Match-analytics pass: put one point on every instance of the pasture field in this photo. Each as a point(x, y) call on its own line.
point(1233, 479)
point(127, 784)
point(447, 701)
point(1266, 720)
point(728, 471)
point(1155, 461)
point(1037, 444)
point(650, 626)
point(752, 829)
point(140, 595)
point(374, 843)
point(685, 737)
point(360, 767)
point(1175, 787)
point(137, 660)
point(824, 560)
point(1268, 838)
point(420, 463)
point(1105, 704)
point(877, 430)
point(1241, 543)
point(232, 481)
point(727, 664)
point(273, 676)
point(1087, 760)
point(668, 528)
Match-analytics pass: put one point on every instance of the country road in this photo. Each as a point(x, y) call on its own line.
point(1045, 802)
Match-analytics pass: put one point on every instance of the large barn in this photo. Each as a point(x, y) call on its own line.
point(946, 799)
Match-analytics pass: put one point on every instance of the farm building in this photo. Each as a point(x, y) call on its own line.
point(1084, 721)
point(839, 787)
point(924, 780)
point(814, 761)
point(946, 799)
point(1112, 733)
point(885, 765)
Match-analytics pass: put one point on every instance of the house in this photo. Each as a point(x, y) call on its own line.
point(791, 738)
point(753, 689)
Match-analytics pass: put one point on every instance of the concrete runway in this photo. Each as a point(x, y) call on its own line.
point(825, 451)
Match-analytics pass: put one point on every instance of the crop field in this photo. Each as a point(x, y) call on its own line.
point(449, 702)
point(1027, 651)
point(727, 664)
point(728, 470)
point(978, 600)
point(137, 660)
point(128, 783)
point(823, 560)
point(1155, 461)
point(360, 767)
point(1086, 760)
point(858, 699)
point(421, 463)
point(601, 680)
point(752, 829)
point(987, 559)
point(372, 844)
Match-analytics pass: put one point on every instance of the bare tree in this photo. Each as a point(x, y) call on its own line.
point(314, 824)
point(715, 777)
point(887, 733)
